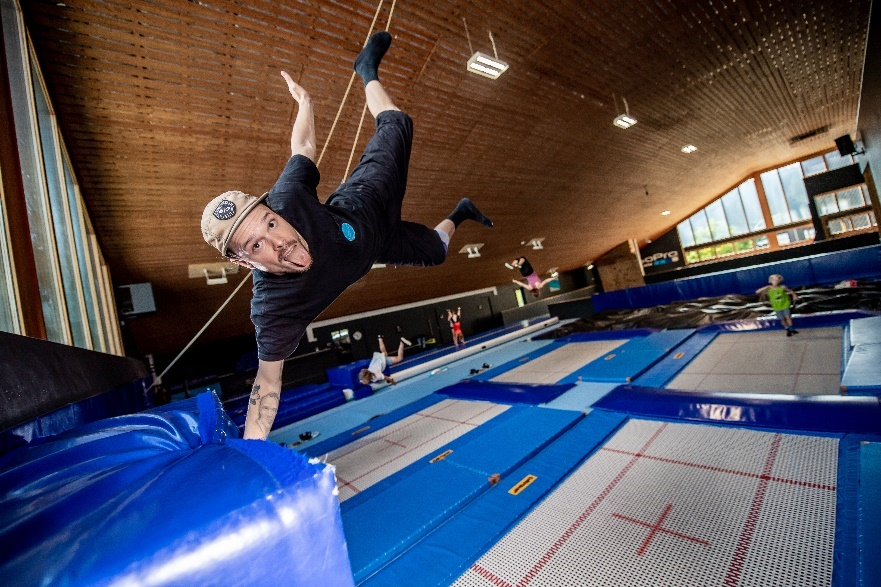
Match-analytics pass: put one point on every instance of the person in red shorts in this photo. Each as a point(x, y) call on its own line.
point(456, 325)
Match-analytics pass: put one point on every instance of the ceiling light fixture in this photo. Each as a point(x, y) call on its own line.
point(665, 213)
point(483, 64)
point(472, 250)
point(689, 148)
point(623, 120)
point(536, 244)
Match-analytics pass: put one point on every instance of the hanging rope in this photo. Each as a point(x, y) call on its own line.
point(388, 25)
point(158, 380)
point(349, 87)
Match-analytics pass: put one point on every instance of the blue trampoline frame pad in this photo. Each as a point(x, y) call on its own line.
point(427, 494)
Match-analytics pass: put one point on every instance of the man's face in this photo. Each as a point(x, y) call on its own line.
point(266, 241)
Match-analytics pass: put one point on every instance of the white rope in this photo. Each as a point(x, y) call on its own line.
point(388, 25)
point(349, 87)
point(158, 380)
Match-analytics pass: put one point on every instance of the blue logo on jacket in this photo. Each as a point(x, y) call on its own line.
point(348, 231)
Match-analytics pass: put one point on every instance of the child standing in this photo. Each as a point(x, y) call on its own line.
point(778, 295)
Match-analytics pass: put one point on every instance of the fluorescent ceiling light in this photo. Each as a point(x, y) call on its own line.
point(487, 66)
point(624, 121)
point(472, 250)
point(665, 213)
point(689, 149)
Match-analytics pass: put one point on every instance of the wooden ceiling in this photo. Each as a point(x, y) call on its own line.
point(166, 103)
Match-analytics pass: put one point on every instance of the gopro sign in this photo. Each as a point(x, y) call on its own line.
point(658, 259)
point(663, 254)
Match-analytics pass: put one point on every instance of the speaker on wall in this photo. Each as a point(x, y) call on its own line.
point(845, 145)
point(135, 299)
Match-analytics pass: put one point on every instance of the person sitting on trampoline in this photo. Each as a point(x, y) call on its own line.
point(304, 254)
point(380, 363)
point(456, 325)
point(533, 282)
point(779, 296)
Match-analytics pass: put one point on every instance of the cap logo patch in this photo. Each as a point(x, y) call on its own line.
point(225, 210)
point(348, 231)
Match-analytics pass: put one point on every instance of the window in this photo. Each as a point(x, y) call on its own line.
point(744, 246)
point(750, 198)
point(762, 242)
point(813, 166)
point(734, 212)
point(340, 337)
point(9, 321)
point(835, 161)
point(725, 250)
point(701, 228)
point(776, 198)
point(795, 235)
point(692, 257)
point(707, 253)
point(717, 220)
point(850, 198)
point(796, 195)
point(826, 204)
point(686, 237)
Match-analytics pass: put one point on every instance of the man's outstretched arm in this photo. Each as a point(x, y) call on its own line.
point(265, 397)
point(303, 133)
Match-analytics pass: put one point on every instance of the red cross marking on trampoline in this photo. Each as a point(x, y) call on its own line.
point(658, 527)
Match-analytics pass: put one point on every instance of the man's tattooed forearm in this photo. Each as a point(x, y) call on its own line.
point(255, 394)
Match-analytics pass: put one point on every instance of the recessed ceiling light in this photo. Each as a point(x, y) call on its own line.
point(665, 213)
point(689, 148)
point(624, 121)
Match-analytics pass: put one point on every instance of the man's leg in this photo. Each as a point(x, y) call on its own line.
point(400, 356)
point(382, 346)
point(367, 66)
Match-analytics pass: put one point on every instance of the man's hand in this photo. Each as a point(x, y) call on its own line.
point(295, 89)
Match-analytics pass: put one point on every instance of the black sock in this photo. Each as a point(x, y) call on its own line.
point(367, 62)
point(466, 210)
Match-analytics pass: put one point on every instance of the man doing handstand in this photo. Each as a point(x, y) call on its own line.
point(304, 254)
point(533, 282)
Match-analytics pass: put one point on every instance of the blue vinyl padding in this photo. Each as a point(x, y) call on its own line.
point(863, 371)
point(125, 399)
point(347, 375)
point(628, 361)
point(607, 335)
point(819, 413)
point(860, 263)
point(505, 393)
point(335, 442)
point(845, 557)
point(427, 498)
point(135, 500)
point(662, 372)
point(870, 514)
point(865, 330)
point(474, 436)
point(581, 397)
point(446, 553)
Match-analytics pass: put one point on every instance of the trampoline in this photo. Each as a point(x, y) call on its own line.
point(766, 361)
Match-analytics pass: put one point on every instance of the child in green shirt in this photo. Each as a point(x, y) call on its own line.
point(778, 295)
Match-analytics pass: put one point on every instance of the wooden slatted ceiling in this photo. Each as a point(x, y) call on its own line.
point(166, 103)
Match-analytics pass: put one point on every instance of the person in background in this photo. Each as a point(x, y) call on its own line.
point(380, 363)
point(533, 282)
point(456, 325)
point(779, 296)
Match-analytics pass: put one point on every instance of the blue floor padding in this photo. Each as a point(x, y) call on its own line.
point(870, 515)
point(862, 374)
point(428, 497)
point(865, 331)
point(444, 554)
point(505, 393)
point(845, 559)
point(665, 370)
point(818, 413)
point(581, 397)
point(608, 335)
point(629, 360)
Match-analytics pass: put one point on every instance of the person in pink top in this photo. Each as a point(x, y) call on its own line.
point(533, 282)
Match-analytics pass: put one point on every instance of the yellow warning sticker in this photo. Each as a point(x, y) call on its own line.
point(441, 456)
point(522, 484)
point(678, 355)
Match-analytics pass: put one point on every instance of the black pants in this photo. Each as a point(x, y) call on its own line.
point(380, 181)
